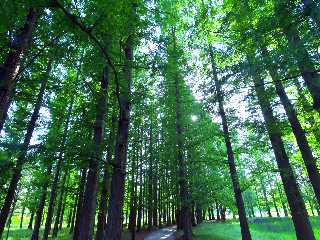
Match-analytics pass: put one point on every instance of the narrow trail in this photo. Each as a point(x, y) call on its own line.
point(162, 234)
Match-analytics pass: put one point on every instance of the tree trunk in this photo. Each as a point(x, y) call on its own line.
point(22, 215)
point(42, 201)
point(89, 199)
point(307, 108)
point(199, 214)
point(218, 212)
point(101, 225)
point(115, 214)
point(275, 204)
point(296, 203)
point(245, 232)
point(296, 127)
point(133, 196)
point(304, 62)
point(74, 211)
point(11, 65)
point(150, 177)
point(56, 177)
point(59, 209)
point(23, 153)
point(284, 207)
point(31, 219)
point(185, 211)
point(62, 211)
point(266, 199)
point(139, 218)
point(77, 213)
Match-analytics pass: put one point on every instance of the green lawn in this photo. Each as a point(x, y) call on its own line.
point(271, 229)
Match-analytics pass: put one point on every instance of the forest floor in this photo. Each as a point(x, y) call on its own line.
point(263, 229)
point(24, 234)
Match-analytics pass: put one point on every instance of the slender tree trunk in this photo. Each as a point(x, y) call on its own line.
point(150, 177)
point(74, 212)
point(77, 215)
point(115, 214)
point(59, 209)
point(42, 201)
point(245, 232)
point(101, 225)
point(31, 219)
point(284, 207)
point(185, 211)
point(63, 210)
point(155, 194)
point(22, 215)
point(297, 129)
point(199, 214)
point(307, 108)
point(296, 203)
point(218, 211)
point(70, 213)
point(11, 65)
point(266, 202)
point(275, 204)
point(56, 177)
point(133, 196)
point(139, 218)
point(23, 153)
point(304, 62)
point(89, 199)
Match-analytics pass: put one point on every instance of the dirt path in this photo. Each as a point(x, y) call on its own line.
point(162, 234)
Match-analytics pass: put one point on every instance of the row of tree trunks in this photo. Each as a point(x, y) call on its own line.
point(60, 205)
point(57, 174)
point(78, 207)
point(115, 211)
point(296, 203)
point(12, 63)
point(184, 211)
point(89, 200)
point(101, 225)
point(23, 153)
point(41, 204)
point(306, 67)
point(232, 167)
point(296, 127)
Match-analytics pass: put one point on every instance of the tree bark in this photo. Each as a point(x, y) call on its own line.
point(42, 201)
point(56, 177)
point(304, 62)
point(59, 209)
point(31, 219)
point(101, 225)
point(23, 153)
point(11, 65)
point(296, 203)
point(185, 211)
point(307, 108)
point(22, 215)
point(245, 232)
point(299, 133)
point(89, 199)
point(77, 213)
point(115, 214)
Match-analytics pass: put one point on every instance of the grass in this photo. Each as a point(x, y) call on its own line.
point(267, 229)
point(271, 229)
